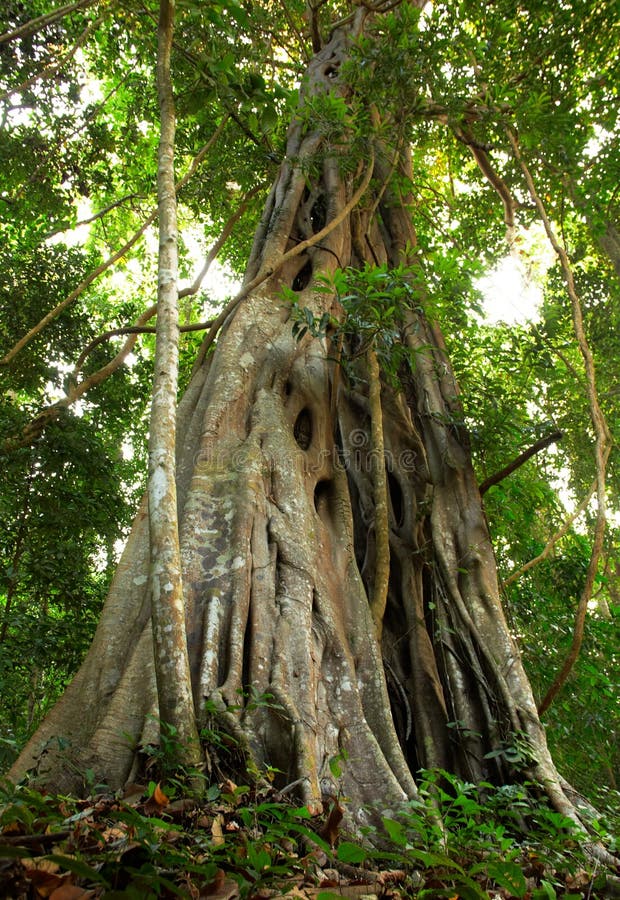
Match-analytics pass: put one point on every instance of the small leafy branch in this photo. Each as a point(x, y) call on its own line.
point(373, 301)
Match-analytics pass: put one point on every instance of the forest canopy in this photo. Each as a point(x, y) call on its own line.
point(510, 115)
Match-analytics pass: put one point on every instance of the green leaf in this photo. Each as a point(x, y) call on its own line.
point(351, 853)
point(546, 891)
point(505, 874)
point(396, 832)
point(429, 860)
point(238, 14)
point(8, 851)
point(78, 867)
point(213, 792)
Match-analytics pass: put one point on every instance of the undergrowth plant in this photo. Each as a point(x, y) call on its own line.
point(187, 833)
point(481, 835)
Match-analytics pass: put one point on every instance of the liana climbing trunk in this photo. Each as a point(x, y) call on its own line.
point(279, 533)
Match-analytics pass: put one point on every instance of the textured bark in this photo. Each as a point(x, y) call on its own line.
point(379, 591)
point(174, 689)
point(279, 542)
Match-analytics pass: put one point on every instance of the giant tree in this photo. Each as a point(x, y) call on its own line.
point(335, 554)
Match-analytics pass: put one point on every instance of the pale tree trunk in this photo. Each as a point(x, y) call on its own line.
point(279, 537)
point(174, 690)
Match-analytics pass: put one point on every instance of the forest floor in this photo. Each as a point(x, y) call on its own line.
point(228, 841)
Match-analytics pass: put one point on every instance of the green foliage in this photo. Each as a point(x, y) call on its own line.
point(506, 836)
point(373, 300)
point(453, 838)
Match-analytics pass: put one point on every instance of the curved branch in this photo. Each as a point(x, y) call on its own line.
point(519, 460)
point(498, 184)
point(552, 540)
point(92, 276)
point(581, 612)
point(105, 371)
point(315, 28)
point(202, 153)
point(603, 440)
point(34, 25)
point(75, 293)
point(185, 292)
point(49, 414)
point(130, 329)
point(295, 29)
point(95, 216)
point(219, 243)
point(33, 430)
point(51, 70)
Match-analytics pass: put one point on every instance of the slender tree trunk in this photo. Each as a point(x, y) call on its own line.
point(277, 529)
point(174, 691)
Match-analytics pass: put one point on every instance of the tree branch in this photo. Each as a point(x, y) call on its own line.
point(552, 540)
point(313, 20)
point(34, 429)
point(75, 293)
point(582, 607)
point(132, 329)
point(40, 22)
point(98, 215)
point(498, 184)
point(602, 433)
point(185, 292)
point(92, 276)
point(219, 243)
point(51, 70)
point(519, 460)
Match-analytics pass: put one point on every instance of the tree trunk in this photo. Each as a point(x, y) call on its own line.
point(278, 537)
point(172, 670)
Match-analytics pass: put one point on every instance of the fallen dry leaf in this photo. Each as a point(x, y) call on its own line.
point(179, 808)
point(114, 833)
point(221, 888)
point(43, 882)
point(43, 875)
point(217, 830)
point(577, 881)
point(70, 892)
point(155, 803)
point(330, 829)
point(392, 876)
point(40, 865)
point(159, 797)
